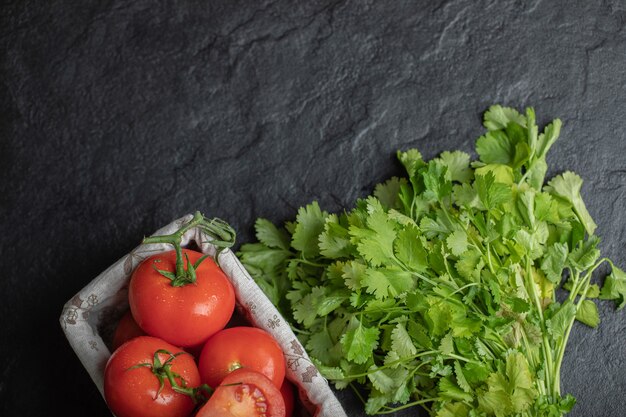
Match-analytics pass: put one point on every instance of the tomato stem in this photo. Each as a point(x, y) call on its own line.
point(164, 370)
point(221, 234)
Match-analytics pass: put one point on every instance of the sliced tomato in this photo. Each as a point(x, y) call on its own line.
point(288, 392)
point(244, 393)
point(241, 347)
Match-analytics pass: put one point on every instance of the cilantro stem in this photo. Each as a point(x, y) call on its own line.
point(307, 262)
point(387, 365)
point(581, 288)
point(389, 410)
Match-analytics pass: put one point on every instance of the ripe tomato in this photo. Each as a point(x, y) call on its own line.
point(127, 328)
point(287, 390)
point(241, 347)
point(184, 315)
point(244, 393)
point(135, 391)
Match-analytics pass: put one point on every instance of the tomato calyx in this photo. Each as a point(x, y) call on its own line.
point(222, 237)
point(163, 371)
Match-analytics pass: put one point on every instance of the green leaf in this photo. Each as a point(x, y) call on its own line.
point(412, 161)
point(476, 372)
point(567, 186)
point(518, 372)
point(496, 147)
point(401, 342)
point(353, 274)
point(614, 287)
point(460, 377)
point(387, 381)
point(491, 193)
point(453, 409)
point(388, 192)
point(588, 313)
point(502, 173)
point(457, 242)
point(553, 262)
point(557, 325)
point(359, 341)
point(585, 254)
point(499, 117)
point(387, 282)
point(448, 390)
point(410, 251)
point(334, 241)
point(435, 178)
point(305, 311)
point(470, 265)
point(309, 225)
point(375, 243)
point(458, 166)
point(375, 402)
point(548, 137)
point(319, 346)
point(464, 195)
point(511, 393)
point(258, 255)
point(270, 235)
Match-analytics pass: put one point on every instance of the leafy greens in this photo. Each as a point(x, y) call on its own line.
point(439, 289)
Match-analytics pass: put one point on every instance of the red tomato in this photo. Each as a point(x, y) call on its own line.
point(244, 393)
point(287, 390)
point(187, 315)
point(133, 391)
point(127, 328)
point(241, 347)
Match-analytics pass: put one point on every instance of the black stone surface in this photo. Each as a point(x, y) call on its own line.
point(117, 117)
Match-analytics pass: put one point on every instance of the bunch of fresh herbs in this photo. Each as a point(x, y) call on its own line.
point(440, 289)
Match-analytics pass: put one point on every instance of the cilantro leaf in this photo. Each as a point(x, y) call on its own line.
point(387, 282)
point(441, 287)
point(375, 241)
point(401, 342)
point(457, 165)
point(309, 225)
point(388, 192)
point(499, 117)
point(457, 242)
point(567, 186)
point(334, 241)
point(359, 341)
point(490, 192)
point(614, 287)
point(587, 313)
point(270, 235)
point(554, 262)
point(496, 147)
point(409, 249)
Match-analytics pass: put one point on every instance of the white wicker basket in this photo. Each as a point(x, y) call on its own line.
point(88, 319)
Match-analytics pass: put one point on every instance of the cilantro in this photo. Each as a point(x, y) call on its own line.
point(440, 288)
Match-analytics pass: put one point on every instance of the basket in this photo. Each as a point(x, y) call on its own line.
point(89, 319)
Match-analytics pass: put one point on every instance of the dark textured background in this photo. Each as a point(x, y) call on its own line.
point(117, 117)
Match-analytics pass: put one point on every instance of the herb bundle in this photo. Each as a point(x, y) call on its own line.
point(440, 289)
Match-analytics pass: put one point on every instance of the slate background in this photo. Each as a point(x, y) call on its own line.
point(117, 117)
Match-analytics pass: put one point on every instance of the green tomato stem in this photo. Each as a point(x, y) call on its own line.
point(222, 237)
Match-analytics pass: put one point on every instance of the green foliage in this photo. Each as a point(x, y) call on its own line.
point(439, 289)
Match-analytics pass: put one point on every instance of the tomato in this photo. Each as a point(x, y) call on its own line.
point(287, 391)
point(184, 315)
point(244, 393)
point(241, 347)
point(135, 391)
point(127, 328)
